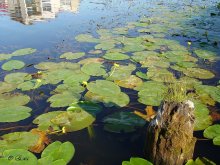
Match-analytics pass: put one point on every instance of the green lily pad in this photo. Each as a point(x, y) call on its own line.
point(213, 132)
point(73, 120)
point(212, 91)
point(44, 120)
point(198, 73)
point(76, 77)
point(123, 122)
point(17, 78)
point(86, 38)
point(18, 157)
point(63, 99)
point(26, 86)
point(160, 75)
point(91, 60)
point(6, 87)
point(121, 30)
point(22, 52)
point(58, 150)
point(104, 88)
point(88, 106)
point(72, 56)
point(49, 160)
point(205, 54)
point(14, 113)
point(116, 56)
point(105, 45)
point(151, 93)
point(137, 161)
point(73, 87)
point(202, 117)
point(145, 55)
point(130, 82)
point(16, 99)
point(13, 64)
point(5, 56)
point(94, 69)
point(122, 72)
point(18, 140)
point(57, 66)
point(200, 161)
point(142, 75)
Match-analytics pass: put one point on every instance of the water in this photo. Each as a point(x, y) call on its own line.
point(50, 26)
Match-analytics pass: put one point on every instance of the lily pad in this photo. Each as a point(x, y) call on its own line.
point(116, 56)
point(55, 66)
point(44, 120)
point(205, 54)
point(105, 45)
point(88, 106)
point(26, 86)
point(17, 78)
point(63, 99)
point(18, 157)
point(72, 56)
point(58, 150)
point(104, 87)
point(5, 56)
point(73, 120)
point(14, 113)
point(22, 52)
point(137, 161)
point(122, 72)
point(19, 140)
point(91, 60)
point(94, 69)
point(123, 122)
point(200, 161)
point(202, 117)
point(86, 38)
point(213, 132)
point(130, 82)
point(198, 73)
point(6, 87)
point(13, 64)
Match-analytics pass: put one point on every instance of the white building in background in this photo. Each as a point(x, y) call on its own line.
point(28, 11)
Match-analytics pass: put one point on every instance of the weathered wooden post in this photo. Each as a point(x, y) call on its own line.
point(170, 138)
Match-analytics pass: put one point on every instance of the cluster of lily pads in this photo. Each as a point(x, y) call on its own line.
point(144, 63)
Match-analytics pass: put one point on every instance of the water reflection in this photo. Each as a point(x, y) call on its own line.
point(28, 11)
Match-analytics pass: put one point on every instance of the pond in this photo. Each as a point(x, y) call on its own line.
point(93, 72)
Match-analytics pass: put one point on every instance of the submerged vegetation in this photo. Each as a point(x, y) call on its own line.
point(143, 62)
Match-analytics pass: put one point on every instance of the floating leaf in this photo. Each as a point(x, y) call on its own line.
point(130, 82)
point(58, 150)
point(198, 73)
point(22, 52)
point(105, 45)
point(205, 54)
point(6, 87)
point(202, 117)
point(123, 122)
point(63, 99)
point(95, 52)
point(55, 66)
point(13, 64)
point(137, 161)
point(26, 86)
point(17, 78)
point(91, 60)
point(86, 38)
point(200, 161)
point(90, 107)
point(104, 88)
point(18, 157)
point(115, 56)
point(14, 113)
point(72, 56)
point(44, 120)
point(93, 69)
point(213, 132)
point(19, 140)
point(5, 56)
point(73, 120)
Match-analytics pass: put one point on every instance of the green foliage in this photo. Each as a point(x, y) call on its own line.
point(200, 161)
point(213, 132)
point(13, 64)
point(137, 161)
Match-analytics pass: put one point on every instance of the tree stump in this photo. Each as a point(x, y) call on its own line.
point(170, 138)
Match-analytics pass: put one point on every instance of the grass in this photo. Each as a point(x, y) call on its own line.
point(177, 92)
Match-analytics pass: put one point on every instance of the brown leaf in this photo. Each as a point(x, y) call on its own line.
point(43, 139)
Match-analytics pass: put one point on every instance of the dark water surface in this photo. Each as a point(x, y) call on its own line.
point(50, 26)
